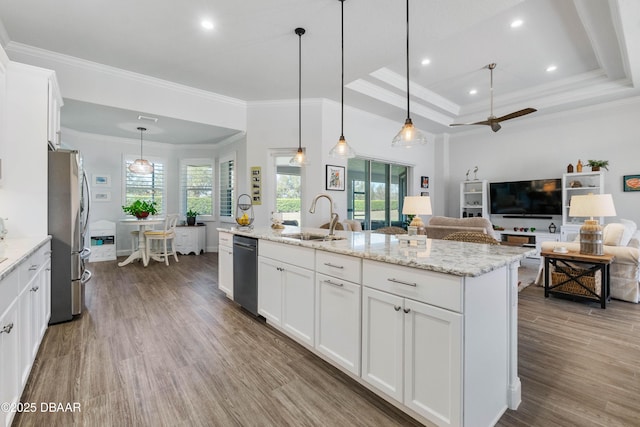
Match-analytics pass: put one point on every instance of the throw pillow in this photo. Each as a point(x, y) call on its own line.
point(612, 234)
point(630, 228)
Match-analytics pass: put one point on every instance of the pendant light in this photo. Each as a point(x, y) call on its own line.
point(141, 166)
point(299, 159)
point(342, 150)
point(409, 135)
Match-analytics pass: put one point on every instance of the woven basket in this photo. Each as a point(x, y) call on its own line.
point(590, 280)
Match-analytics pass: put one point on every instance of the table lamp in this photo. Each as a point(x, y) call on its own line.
point(417, 205)
point(591, 205)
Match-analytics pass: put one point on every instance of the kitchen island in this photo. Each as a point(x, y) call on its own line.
point(431, 329)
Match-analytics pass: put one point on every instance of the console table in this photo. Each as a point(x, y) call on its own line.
point(191, 238)
point(576, 277)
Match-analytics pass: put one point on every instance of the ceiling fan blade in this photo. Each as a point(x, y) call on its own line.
point(484, 122)
point(515, 114)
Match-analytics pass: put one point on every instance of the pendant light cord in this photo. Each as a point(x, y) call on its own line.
point(300, 32)
point(342, 73)
point(408, 115)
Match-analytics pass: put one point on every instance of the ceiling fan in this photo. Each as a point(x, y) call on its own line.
point(492, 120)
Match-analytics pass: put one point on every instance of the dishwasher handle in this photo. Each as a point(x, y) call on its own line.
point(245, 245)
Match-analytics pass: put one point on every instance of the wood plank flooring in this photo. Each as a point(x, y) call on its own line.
point(161, 346)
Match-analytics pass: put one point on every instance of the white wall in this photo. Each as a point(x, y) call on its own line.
point(105, 155)
point(543, 147)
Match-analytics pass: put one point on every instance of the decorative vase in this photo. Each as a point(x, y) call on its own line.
point(570, 168)
point(191, 220)
point(142, 215)
point(579, 166)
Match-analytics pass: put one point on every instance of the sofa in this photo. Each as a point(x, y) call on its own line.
point(621, 239)
point(440, 227)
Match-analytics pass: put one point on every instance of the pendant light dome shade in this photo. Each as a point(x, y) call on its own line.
point(342, 150)
point(409, 135)
point(300, 158)
point(141, 166)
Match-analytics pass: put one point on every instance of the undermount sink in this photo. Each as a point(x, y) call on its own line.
point(311, 236)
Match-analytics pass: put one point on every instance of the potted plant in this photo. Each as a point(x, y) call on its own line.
point(597, 164)
point(141, 209)
point(191, 217)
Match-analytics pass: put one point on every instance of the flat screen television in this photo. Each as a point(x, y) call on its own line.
point(533, 197)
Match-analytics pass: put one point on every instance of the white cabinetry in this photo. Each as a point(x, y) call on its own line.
point(579, 184)
point(103, 241)
point(191, 239)
point(286, 295)
point(53, 113)
point(225, 263)
point(474, 198)
point(411, 350)
point(338, 316)
point(25, 308)
point(10, 389)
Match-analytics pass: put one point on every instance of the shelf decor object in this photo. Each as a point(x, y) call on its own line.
point(591, 205)
point(342, 150)
point(300, 158)
point(141, 166)
point(409, 135)
point(244, 212)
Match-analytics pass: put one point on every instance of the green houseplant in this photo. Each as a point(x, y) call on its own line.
point(597, 164)
point(141, 209)
point(191, 217)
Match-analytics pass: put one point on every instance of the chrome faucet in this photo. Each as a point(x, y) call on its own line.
point(334, 216)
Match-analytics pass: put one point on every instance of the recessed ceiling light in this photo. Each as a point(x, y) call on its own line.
point(426, 61)
point(517, 23)
point(551, 68)
point(473, 91)
point(206, 24)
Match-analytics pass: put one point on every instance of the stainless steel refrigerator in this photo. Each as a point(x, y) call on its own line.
point(68, 222)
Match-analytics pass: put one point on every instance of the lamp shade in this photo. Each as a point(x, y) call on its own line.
point(416, 205)
point(592, 205)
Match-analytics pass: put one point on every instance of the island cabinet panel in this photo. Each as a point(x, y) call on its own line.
point(225, 263)
point(338, 321)
point(441, 290)
point(382, 341)
point(286, 289)
point(270, 290)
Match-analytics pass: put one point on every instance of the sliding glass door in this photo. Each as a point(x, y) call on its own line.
point(375, 193)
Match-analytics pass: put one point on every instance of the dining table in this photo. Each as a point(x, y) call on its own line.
point(143, 224)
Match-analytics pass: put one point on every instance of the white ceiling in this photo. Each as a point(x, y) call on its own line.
point(252, 54)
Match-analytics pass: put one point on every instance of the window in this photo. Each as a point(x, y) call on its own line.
point(288, 187)
point(145, 187)
point(227, 184)
point(196, 186)
point(375, 193)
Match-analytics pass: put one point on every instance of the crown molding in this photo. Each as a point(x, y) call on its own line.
point(72, 61)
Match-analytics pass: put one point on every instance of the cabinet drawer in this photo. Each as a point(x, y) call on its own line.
point(341, 266)
point(225, 239)
point(32, 264)
point(9, 288)
point(441, 290)
point(291, 254)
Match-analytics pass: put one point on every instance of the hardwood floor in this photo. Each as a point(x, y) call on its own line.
point(161, 346)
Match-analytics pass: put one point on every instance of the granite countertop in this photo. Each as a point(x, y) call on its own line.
point(17, 250)
point(457, 258)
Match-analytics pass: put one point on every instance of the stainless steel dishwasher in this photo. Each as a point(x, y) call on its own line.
point(245, 272)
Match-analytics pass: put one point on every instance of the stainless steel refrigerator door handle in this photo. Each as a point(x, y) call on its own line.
point(85, 253)
point(85, 182)
point(86, 276)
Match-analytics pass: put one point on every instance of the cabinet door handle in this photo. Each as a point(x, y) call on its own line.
point(328, 264)
point(33, 267)
point(333, 283)
point(397, 307)
point(406, 310)
point(35, 289)
point(7, 329)
point(401, 282)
